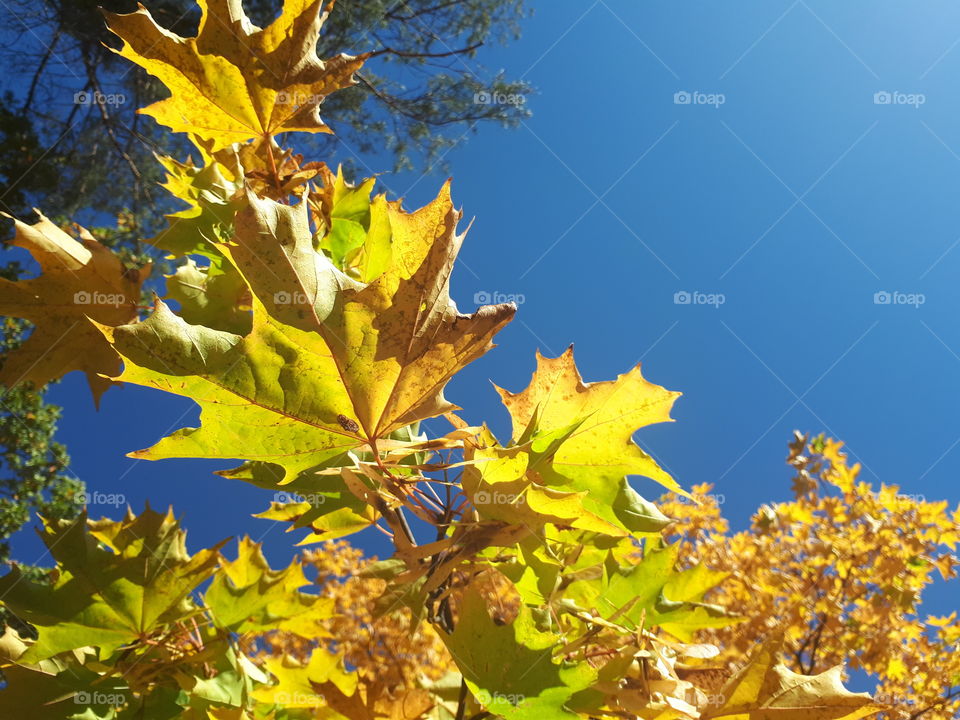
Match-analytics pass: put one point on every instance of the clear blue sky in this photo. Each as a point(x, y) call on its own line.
point(797, 199)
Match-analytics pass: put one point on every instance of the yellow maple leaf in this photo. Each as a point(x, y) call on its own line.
point(236, 81)
point(768, 690)
point(79, 280)
point(331, 364)
point(297, 682)
point(600, 453)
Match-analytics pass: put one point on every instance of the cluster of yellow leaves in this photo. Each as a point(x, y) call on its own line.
point(663, 678)
point(839, 571)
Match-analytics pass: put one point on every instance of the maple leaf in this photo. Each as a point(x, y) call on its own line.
point(767, 690)
point(212, 198)
point(332, 364)
point(323, 503)
point(505, 483)
point(297, 682)
point(235, 81)
point(500, 487)
point(246, 595)
point(355, 229)
point(374, 703)
point(654, 593)
point(106, 596)
point(79, 279)
point(214, 296)
point(598, 452)
point(510, 668)
point(61, 696)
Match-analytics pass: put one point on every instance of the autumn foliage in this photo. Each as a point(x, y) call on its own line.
point(839, 571)
point(311, 321)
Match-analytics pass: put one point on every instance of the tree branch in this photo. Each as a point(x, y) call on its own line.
point(407, 54)
point(425, 11)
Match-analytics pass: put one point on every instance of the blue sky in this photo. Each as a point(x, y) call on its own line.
point(787, 187)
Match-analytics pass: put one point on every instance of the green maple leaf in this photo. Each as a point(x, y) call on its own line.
point(75, 693)
point(107, 596)
point(654, 592)
point(510, 668)
point(297, 683)
point(246, 595)
point(322, 503)
point(211, 296)
point(511, 484)
point(212, 200)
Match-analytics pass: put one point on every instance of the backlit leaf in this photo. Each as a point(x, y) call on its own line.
point(235, 81)
point(79, 279)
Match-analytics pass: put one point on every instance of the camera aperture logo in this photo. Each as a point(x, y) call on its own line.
point(885, 97)
point(886, 297)
point(685, 297)
point(685, 97)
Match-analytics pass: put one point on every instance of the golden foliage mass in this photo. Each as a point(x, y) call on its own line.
point(839, 571)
